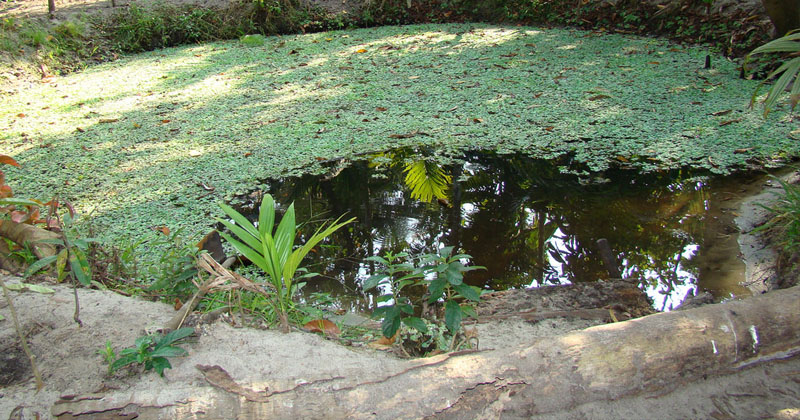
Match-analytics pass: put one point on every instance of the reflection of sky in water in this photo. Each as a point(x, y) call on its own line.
point(526, 222)
point(665, 295)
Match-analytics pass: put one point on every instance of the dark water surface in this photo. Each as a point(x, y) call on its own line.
point(524, 220)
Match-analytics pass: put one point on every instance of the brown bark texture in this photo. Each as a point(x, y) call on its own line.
point(646, 356)
point(785, 15)
point(21, 233)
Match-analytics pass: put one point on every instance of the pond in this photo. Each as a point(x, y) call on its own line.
point(530, 222)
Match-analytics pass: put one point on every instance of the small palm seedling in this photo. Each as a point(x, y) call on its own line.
point(788, 70)
point(273, 252)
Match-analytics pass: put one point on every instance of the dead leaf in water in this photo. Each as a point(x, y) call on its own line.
point(724, 123)
point(205, 186)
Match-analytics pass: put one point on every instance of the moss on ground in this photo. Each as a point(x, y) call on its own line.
point(141, 141)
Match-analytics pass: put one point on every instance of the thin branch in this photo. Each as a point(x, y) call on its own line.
point(25, 348)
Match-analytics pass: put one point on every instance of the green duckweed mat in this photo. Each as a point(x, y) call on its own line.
point(159, 138)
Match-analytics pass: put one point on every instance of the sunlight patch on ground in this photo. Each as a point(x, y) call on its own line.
point(118, 138)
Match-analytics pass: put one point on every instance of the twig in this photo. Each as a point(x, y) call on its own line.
point(77, 314)
point(218, 275)
point(68, 246)
point(25, 348)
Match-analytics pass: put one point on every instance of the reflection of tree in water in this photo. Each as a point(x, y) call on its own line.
point(519, 217)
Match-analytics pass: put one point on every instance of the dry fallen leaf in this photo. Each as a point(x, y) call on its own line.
point(598, 97)
point(383, 343)
point(361, 51)
point(322, 326)
point(724, 123)
point(162, 229)
point(381, 109)
point(8, 160)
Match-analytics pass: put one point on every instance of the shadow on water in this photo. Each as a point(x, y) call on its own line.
point(523, 219)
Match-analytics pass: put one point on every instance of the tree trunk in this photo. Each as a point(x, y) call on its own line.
point(51, 7)
point(646, 356)
point(785, 14)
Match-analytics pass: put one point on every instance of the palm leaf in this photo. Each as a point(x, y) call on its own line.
point(787, 70)
point(266, 215)
point(426, 180)
point(239, 219)
point(251, 254)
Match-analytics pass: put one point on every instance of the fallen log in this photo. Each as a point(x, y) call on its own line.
point(645, 356)
point(21, 234)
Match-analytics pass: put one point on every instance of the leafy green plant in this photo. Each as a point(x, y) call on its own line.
point(124, 258)
point(448, 285)
point(23, 253)
point(151, 351)
point(396, 275)
point(435, 339)
point(441, 273)
point(273, 252)
point(785, 217)
point(173, 271)
point(789, 44)
point(71, 260)
point(109, 355)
